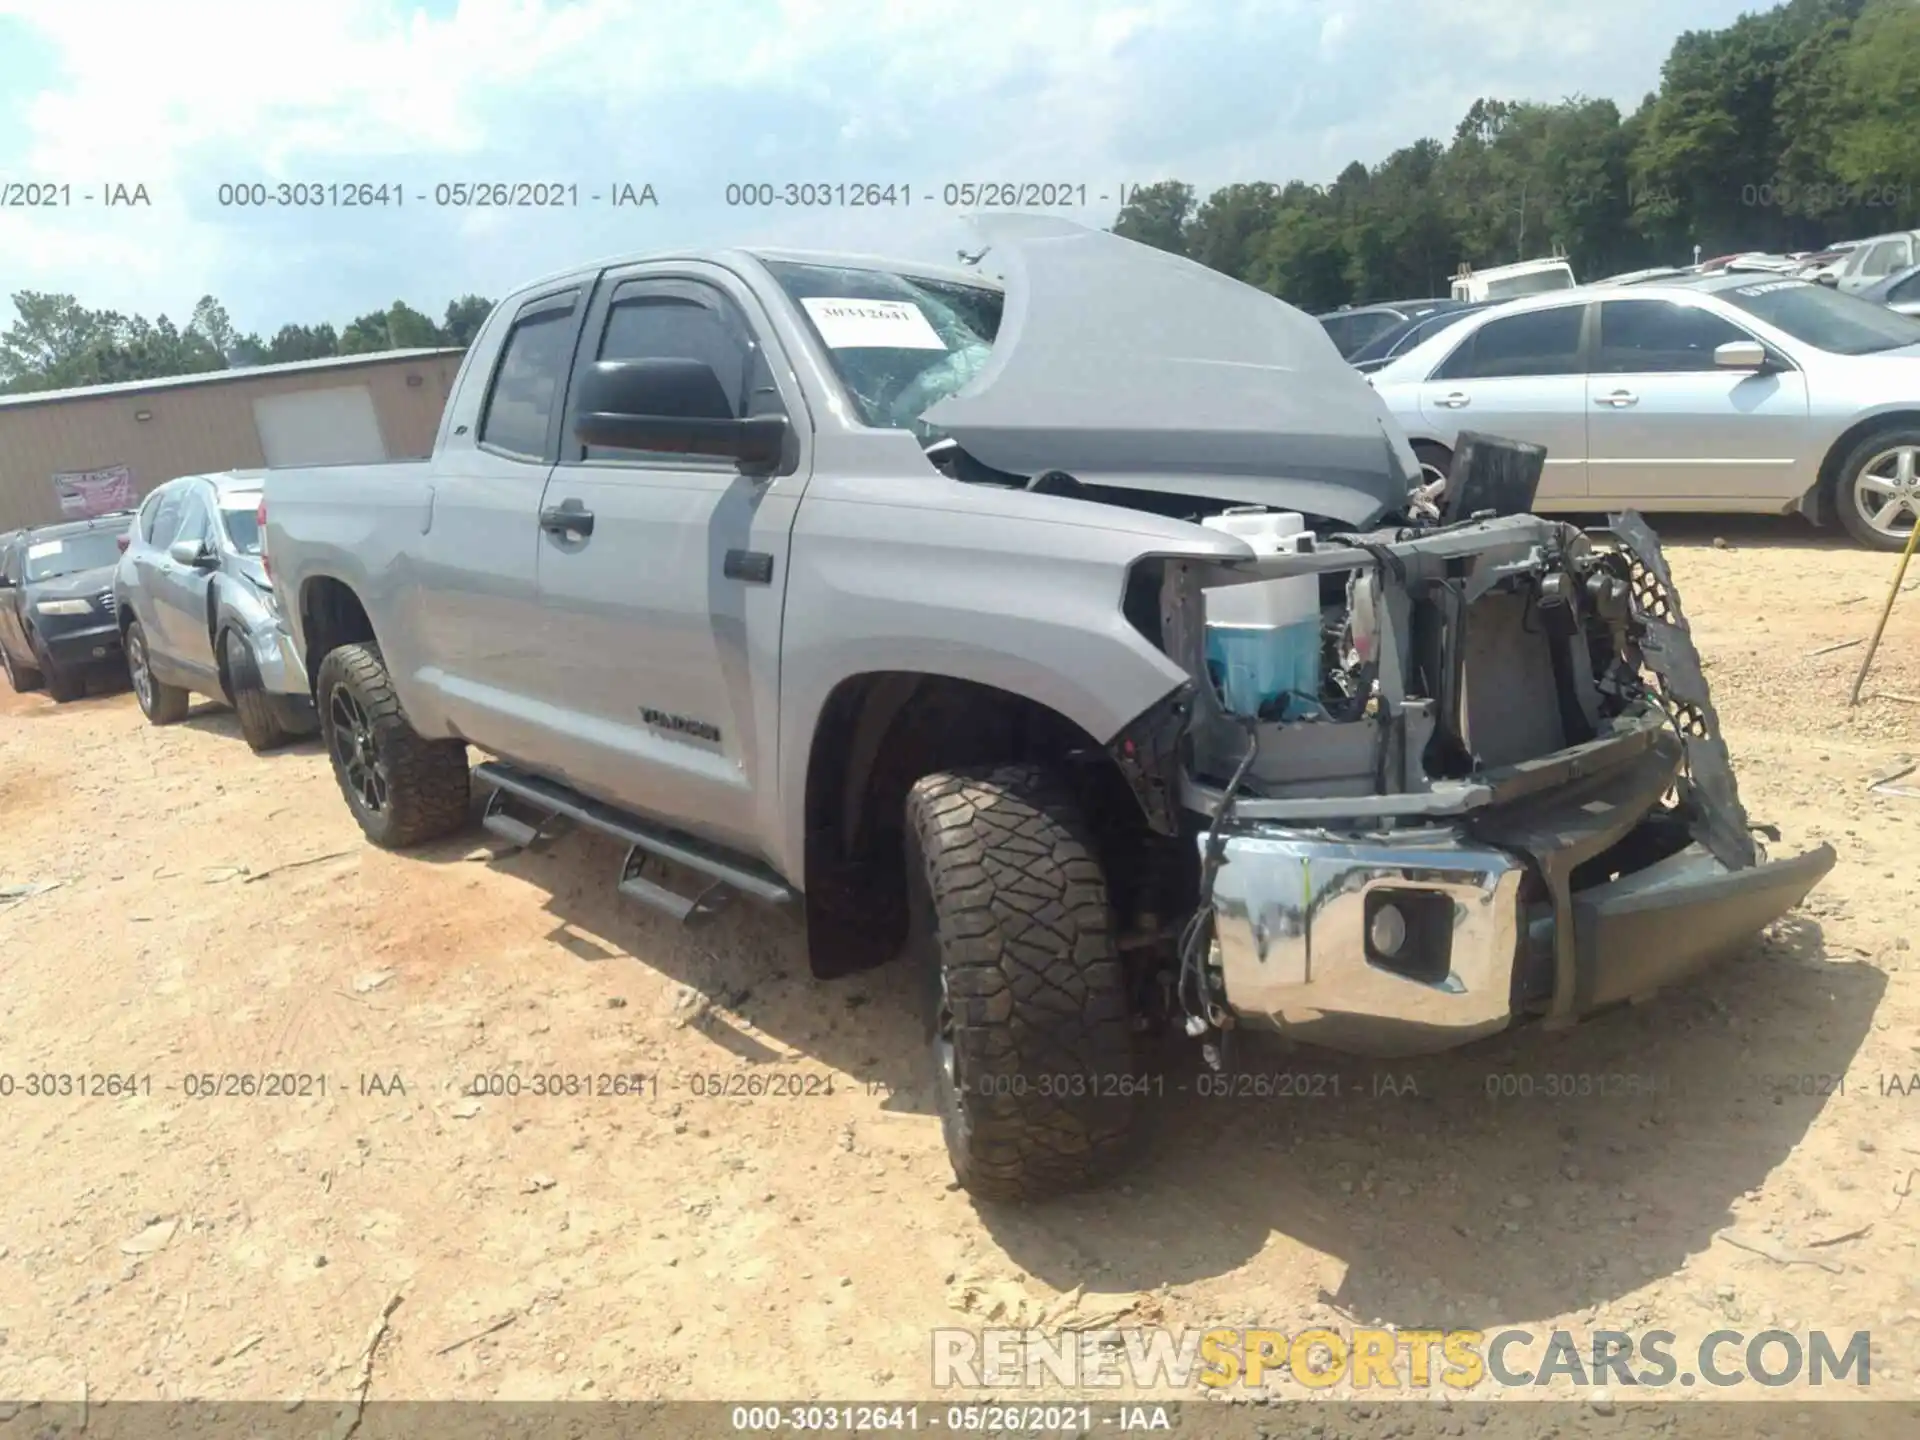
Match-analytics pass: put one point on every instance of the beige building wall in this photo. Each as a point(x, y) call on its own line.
point(195, 428)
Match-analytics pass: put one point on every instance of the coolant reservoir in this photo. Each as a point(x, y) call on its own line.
point(1263, 637)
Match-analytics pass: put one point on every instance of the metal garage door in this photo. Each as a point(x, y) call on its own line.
point(335, 426)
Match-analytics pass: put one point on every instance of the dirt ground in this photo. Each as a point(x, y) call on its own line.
point(214, 913)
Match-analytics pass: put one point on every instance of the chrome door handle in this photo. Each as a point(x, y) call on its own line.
point(1455, 400)
point(1617, 399)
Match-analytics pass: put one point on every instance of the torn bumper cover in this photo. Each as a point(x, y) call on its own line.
point(1419, 940)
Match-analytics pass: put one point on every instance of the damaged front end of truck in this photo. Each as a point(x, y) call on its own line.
point(1506, 798)
point(1514, 802)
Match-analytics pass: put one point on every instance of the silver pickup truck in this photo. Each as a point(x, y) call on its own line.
point(875, 589)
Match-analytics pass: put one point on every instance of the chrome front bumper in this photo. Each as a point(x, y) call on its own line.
point(1292, 912)
point(1295, 946)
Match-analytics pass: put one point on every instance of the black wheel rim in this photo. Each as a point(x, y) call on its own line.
point(236, 663)
point(923, 930)
point(139, 671)
point(356, 752)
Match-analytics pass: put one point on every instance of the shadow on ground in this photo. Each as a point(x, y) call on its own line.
point(1535, 1173)
point(210, 717)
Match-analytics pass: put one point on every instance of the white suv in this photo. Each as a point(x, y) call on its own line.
point(1872, 260)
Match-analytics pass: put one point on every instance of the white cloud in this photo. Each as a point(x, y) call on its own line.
point(692, 94)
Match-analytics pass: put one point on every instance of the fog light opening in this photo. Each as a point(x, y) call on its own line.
point(1409, 932)
point(1388, 931)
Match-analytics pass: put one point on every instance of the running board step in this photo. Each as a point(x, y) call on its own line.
point(726, 871)
point(518, 831)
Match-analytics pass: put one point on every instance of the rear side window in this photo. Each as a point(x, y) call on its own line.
point(1907, 289)
point(530, 379)
point(1537, 342)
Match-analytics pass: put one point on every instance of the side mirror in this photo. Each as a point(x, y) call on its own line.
point(1832, 282)
point(195, 553)
point(1741, 355)
point(675, 406)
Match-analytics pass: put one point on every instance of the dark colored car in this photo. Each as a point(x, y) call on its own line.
point(56, 604)
point(1352, 328)
point(1408, 333)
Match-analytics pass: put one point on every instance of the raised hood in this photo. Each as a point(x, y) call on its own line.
point(1126, 366)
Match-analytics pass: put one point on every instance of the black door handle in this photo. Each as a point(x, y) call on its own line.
point(567, 518)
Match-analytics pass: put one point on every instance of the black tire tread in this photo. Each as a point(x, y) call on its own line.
point(1037, 987)
point(24, 678)
point(429, 783)
point(62, 685)
point(260, 723)
point(170, 702)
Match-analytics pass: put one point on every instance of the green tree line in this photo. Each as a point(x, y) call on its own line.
point(1788, 129)
point(55, 342)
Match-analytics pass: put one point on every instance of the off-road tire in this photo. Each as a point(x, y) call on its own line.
point(162, 704)
point(1844, 499)
point(260, 723)
point(428, 787)
point(62, 684)
point(21, 677)
point(1011, 929)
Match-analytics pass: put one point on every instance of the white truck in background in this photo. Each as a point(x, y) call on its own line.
point(1506, 282)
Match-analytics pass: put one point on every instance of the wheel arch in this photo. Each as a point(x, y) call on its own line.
point(331, 614)
point(1818, 503)
point(878, 733)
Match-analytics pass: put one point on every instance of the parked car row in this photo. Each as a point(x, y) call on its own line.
point(173, 597)
point(1729, 392)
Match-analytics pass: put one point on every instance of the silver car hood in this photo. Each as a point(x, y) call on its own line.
point(1127, 366)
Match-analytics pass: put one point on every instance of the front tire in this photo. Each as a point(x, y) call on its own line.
point(161, 703)
point(21, 677)
point(1026, 1000)
point(402, 788)
point(1877, 488)
point(62, 685)
point(260, 723)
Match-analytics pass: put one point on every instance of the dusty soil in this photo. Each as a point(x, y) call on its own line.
point(218, 914)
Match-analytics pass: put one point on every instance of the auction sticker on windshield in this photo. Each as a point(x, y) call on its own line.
point(849, 324)
point(40, 549)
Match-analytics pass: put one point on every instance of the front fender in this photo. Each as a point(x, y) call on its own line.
point(1015, 591)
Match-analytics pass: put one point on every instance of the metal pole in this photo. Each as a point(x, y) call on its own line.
point(1885, 610)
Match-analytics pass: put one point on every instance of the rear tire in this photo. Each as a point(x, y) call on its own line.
point(161, 703)
point(1880, 476)
point(402, 788)
point(260, 723)
point(1026, 999)
point(21, 677)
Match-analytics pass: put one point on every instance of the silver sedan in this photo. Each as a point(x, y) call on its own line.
point(1755, 393)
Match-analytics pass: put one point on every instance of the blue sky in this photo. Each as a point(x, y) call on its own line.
point(184, 96)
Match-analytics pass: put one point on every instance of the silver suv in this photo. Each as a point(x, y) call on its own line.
point(198, 615)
